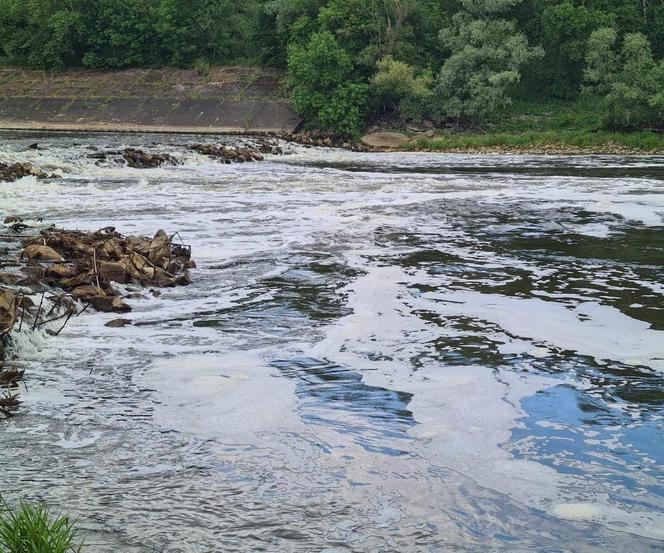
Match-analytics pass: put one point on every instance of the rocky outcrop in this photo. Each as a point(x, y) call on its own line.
point(138, 159)
point(86, 264)
point(15, 171)
point(134, 158)
point(227, 154)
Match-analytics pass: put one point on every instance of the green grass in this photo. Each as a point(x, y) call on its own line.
point(574, 125)
point(32, 529)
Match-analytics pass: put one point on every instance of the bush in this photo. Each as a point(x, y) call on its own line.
point(323, 86)
point(629, 77)
point(396, 87)
point(32, 530)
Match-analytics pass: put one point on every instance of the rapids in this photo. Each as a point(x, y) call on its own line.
point(380, 352)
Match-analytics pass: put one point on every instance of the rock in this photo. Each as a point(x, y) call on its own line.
point(386, 140)
point(138, 159)
point(183, 280)
point(107, 304)
point(160, 249)
point(87, 293)
point(13, 219)
point(35, 273)
point(38, 252)
point(60, 271)
point(8, 310)
point(111, 249)
point(112, 271)
point(10, 279)
point(34, 146)
point(79, 280)
point(228, 155)
point(138, 244)
point(118, 323)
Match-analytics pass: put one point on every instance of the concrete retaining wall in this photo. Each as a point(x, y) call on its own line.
point(221, 101)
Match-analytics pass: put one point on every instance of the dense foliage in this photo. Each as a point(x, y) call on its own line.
point(349, 60)
point(629, 76)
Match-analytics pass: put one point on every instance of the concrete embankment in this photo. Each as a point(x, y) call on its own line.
point(223, 100)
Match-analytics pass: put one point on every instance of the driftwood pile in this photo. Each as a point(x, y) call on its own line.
point(74, 271)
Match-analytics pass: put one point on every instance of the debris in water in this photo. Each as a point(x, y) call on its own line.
point(67, 267)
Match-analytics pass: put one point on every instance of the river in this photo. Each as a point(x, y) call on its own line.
point(379, 352)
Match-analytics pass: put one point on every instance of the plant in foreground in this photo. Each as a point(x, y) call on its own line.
point(32, 529)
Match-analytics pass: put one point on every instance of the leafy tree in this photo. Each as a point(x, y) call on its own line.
point(397, 88)
point(488, 54)
point(323, 86)
point(630, 77)
point(566, 28)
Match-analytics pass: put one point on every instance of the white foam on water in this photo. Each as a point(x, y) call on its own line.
point(588, 328)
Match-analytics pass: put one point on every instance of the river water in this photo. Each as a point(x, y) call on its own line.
point(380, 352)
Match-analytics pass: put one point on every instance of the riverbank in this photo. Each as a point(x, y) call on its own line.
point(251, 101)
point(542, 143)
point(542, 128)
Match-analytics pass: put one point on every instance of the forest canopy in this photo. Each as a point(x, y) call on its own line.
point(349, 60)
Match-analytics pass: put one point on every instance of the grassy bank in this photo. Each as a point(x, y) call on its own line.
point(550, 127)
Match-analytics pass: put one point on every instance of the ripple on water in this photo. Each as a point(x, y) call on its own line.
point(387, 352)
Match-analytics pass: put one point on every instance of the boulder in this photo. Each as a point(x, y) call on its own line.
point(138, 159)
point(385, 140)
point(112, 271)
point(60, 271)
point(107, 304)
point(9, 278)
point(160, 249)
point(87, 293)
point(118, 323)
point(38, 252)
point(8, 310)
point(79, 280)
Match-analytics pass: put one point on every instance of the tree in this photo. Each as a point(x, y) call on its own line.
point(487, 56)
point(631, 79)
point(120, 33)
point(566, 28)
point(323, 85)
point(397, 87)
point(41, 34)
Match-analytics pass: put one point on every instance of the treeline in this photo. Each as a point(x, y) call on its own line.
point(349, 60)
